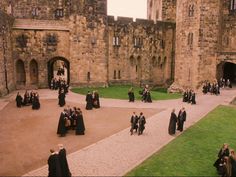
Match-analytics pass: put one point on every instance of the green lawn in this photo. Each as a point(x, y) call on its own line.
point(121, 92)
point(194, 152)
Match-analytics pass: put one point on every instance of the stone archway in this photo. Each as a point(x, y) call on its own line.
point(20, 73)
point(54, 65)
point(33, 72)
point(226, 70)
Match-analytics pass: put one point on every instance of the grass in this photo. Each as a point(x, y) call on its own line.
point(194, 152)
point(121, 92)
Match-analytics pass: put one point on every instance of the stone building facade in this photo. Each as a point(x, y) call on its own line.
point(205, 41)
point(96, 49)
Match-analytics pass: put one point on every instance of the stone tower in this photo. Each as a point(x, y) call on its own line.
point(197, 39)
point(161, 10)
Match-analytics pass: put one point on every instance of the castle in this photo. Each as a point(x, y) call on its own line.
point(182, 43)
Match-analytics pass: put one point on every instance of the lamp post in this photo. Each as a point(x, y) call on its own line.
point(4, 46)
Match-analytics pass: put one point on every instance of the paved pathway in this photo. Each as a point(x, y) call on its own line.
point(119, 153)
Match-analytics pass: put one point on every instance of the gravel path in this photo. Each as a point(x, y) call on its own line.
point(119, 153)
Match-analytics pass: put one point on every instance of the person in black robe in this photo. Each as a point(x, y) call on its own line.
point(148, 97)
point(63, 161)
point(89, 100)
point(54, 169)
point(232, 159)
point(172, 123)
point(61, 98)
point(96, 102)
point(193, 97)
point(134, 123)
point(19, 100)
point(26, 100)
point(35, 101)
point(61, 130)
point(224, 152)
point(80, 128)
point(131, 95)
point(181, 119)
point(185, 96)
point(141, 124)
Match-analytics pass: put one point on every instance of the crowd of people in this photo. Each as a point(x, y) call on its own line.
point(226, 162)
point(57, 163)
point(214, 88)
point(71, 119)
point(177, 120)
point(137, 123)
point(59, 84)
point(30, 98)
point(189, 96)
point(92, 100)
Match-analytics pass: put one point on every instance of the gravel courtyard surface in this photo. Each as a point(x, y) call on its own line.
point(27, 135)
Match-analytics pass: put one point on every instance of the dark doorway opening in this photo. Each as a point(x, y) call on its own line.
point(229, 72)
point(20, 73)
point(58, 67)
point(33, 72)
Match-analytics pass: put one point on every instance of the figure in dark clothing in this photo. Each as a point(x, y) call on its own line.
point(26, 101)
point(54, 168)
point(181, 119)
point(80, 128)
point(193, 97)
point(172, 123)
point(96, 102)
point(19, 100)
point(224, 152)
point(35, 101)
point(61, 130)
point(185, 96)
point(61, 98)
point(232, 159)
point(134, 123)
point(131, 95)
point(63, 161)
point(148, 97)
point(89, 100)
point(141, 124)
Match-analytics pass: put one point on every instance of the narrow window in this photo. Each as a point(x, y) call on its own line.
point(114, 74)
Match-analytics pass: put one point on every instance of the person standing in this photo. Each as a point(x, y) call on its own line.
point(89, 100)
point(54, 168)
point(131, 95)
point(141, 124)
point(134, 123)
point(224, 152)
point(18, 100)
point(181, 119)
point(80, 128)
point(61, 130)
point(96, 102)
point(61, 98)
point(172, 123)
point(65, 171)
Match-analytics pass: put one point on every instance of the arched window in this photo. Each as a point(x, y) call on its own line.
point(191, 10)
point(190, 39)
point(114, 76)
point(20, 73)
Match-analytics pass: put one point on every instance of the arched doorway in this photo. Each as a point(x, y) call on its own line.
point(58, 67)
point(229, 71)
point(20, 73)
point(33, 72)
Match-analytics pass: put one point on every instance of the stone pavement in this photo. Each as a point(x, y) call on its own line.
point(119, 153)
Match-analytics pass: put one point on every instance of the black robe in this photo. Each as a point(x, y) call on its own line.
point(148, 97)
point(134, 123)
point(172, 124)
point(181, 119)
point(80, 128)
point(61, 98)
point(131, 96)
point(19, 101)
point(63, 163)
point(222, 153)
point(54, 169)
point(193, 98)
point(89, 100)
point(35, 103)
point(61, 130)
point(141, 123)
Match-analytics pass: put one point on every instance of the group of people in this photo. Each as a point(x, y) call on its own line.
point(59, 83)
point(224, 83)
point(177, 120)
point(226, 162)
point(61, 71)
point(31, 98)
point(145, 94)
point(92, 100)
point(71, 119)
point(57, 163)
point(137, 123)
point(212, 88)
point(189, 96)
